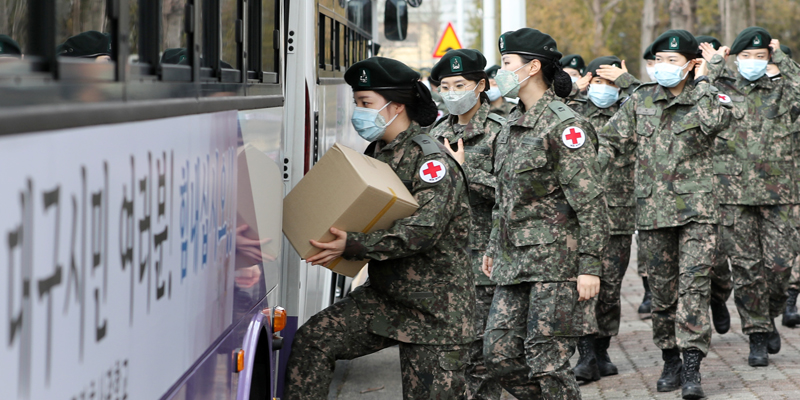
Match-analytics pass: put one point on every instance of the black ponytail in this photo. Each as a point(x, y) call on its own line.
point(417, 99)
point(553, 74)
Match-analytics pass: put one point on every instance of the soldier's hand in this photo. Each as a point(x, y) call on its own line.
point(331, 250)
point(701, 68)
point(775, 44)
point(588, 286)
point(583, 83)
point(487, 265)
point(611, 72)
point(459, 154)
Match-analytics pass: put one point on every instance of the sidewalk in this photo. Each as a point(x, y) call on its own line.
point(726, 374)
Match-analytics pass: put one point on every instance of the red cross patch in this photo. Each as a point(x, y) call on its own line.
point(573, 137)
point(432, 171)
point(724, 98)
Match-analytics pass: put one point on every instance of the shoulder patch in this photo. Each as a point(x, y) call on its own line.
point(573, 137)
point(724, 98)
point(427, 144)
point(562, 111)
point(496, 118)
point(432, 171)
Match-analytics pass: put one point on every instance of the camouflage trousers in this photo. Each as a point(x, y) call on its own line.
point(679, 261)
point(759, 241)
point(615, 263)
point(340, 332)
point(530, 337)
point(641, 269)
point(794, 280)
point(480, 386)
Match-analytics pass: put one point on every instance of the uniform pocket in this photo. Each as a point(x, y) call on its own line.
point(553, 310)
point(688, 186)
point(642, 191)
point(452, 360)
point(531, 233)
point(620, 199)
point(531, 157)
point(727, 166)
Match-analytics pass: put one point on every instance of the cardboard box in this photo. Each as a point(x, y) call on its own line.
point(346, 190)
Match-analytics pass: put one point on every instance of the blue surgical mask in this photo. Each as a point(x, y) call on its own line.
point(493, 93)
point(573, 79)
point(369, 123)
point(669, 75)
point(752, 69)
point(651, 72)
point(603, 96)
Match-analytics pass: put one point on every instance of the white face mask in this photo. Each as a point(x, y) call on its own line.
point(651, 72)
point(459, 102)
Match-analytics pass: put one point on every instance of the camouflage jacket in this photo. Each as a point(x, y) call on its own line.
point(479, 136)
point(421, 285)
point(672, 138)
point(618, 177)
point(549, 222)
point(504, 110)
point(753, 161)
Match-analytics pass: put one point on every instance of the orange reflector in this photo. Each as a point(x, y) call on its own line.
point(238, 355)
point(278, 319)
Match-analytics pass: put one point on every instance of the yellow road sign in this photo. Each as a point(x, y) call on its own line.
point(448, 41)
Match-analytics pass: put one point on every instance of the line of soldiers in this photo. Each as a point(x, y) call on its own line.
point(516, 255)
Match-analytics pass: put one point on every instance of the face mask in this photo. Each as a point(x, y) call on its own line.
point(752, 69)
point(459, 103)
point(369, 123)
point(493, 93)
point(603, 96)
point(669, 75)
point(651, 72)
point(436, 96)
point(508, 82)
point(573, 79)
point(774, 76)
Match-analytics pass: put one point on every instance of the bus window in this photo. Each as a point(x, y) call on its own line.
point(269, 24)
point(82, 30)
point(13, 32)
point(173, 35)
point(229, 24)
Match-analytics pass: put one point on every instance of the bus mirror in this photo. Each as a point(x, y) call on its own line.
point(395, 20)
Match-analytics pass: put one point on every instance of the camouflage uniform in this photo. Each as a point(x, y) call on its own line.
point(671, 138)
point(618, 184)
point(755, 187)
point(419, 294)
point(549, 225)
point(504, 110)
point(479, 136)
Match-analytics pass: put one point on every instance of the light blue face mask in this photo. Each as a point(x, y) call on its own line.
point(668, 75)
point(369, 123)
point(603, 96)
point(752, 69)
point(493, 93)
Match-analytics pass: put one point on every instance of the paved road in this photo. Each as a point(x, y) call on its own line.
point(726, 374)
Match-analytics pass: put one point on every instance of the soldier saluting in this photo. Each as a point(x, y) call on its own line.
point(670, 127)
point(550, 225)
point(421, 293)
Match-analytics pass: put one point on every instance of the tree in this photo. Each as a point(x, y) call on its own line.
point(649, 25)
point(598, 10)
point(682, 14)
point(733, 18)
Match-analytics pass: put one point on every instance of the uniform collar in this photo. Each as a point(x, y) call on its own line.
point(593, 109)
point(531, 116)
point(745, 86)
point(663, 94)
point(412, 131)
point(475, 125)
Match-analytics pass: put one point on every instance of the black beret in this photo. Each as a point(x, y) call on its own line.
point(9, 47)
point(648, 53)
point(529, 41)
point(786, 50)
point(458, 62)
point(86, 44)
point(754, 37)
point(174, 55)
point(574, 61)
point(709, 39)
point(379, 73)
point(492, 71)
point(676, 41)
point(606, 60)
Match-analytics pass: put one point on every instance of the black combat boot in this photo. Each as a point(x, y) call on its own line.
point(758, 350)
point(586, 369)
point(671, 375)
point(720, 316)
point(647, 301)
point(604, 363)
point(790, 316)
point(773, 340)
point(691, 375)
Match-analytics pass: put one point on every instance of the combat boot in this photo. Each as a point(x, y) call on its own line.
point(773, 340)
point(758, 350)
point(604, 364)
point(671, 375)
point(691, 375)
point(720, 316)
point(586, 369)
point(647, 302)
point(790, 316)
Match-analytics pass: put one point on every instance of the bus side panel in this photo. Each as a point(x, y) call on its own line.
point(118, 258)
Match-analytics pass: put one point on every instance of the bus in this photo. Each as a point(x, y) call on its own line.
point(145, 148)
